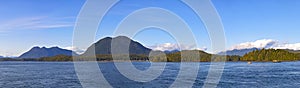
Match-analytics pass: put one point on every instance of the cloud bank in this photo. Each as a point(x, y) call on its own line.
point(295, 46)
point(266, 43)
point(171, 46)
point(75, 49)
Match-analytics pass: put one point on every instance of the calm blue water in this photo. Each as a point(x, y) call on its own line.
point(236, 74)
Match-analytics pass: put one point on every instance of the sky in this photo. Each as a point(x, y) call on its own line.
point(247, 24)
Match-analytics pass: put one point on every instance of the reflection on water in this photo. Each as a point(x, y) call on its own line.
point(236, 74)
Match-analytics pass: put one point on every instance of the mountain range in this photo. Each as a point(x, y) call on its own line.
point(38, 52)
point(104, 47)
point(239, 52)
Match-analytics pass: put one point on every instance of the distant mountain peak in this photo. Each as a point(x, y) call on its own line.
point(38, 52)
point(171, 51)
point(107, 38)
point(103, 46)
point(122, 37)
point(36, 47)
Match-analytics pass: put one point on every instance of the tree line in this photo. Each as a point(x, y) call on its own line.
point(270, 55)
point(262, 55)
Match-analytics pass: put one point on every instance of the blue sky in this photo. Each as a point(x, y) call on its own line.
point(28, 23)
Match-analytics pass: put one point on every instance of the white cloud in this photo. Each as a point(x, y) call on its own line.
point(203, 48)
point(8, 54)
point(171, 46)
point(295, 46)
point(33, 23)
point(264, 43)
point(75, 49)
point(165, 46)
point(267, 43)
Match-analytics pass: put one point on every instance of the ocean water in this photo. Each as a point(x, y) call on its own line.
point(235, 74)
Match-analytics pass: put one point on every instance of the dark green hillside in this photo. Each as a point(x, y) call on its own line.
point(270, 55)
point(176, 57)
point(57, 58)
point(203, 57)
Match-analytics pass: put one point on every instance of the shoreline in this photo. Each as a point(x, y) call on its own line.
point(150, 61)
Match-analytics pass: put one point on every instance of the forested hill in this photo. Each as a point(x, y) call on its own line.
point(104, 46)
point(270, 55)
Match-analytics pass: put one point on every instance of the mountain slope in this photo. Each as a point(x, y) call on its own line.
point(37, 52)
point(171, 51)
point(239, 52)
point(103, 46)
